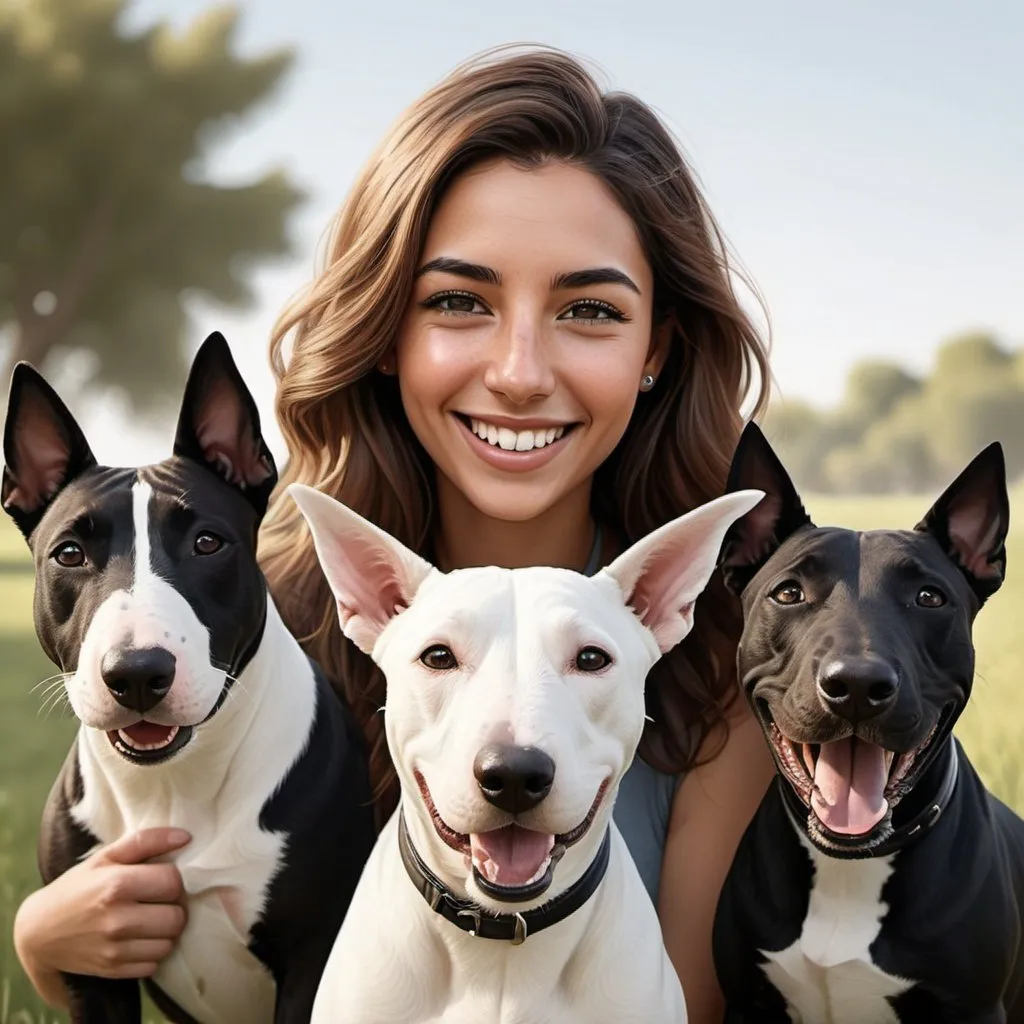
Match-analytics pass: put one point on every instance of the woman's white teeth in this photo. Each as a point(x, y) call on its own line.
point(515, 441)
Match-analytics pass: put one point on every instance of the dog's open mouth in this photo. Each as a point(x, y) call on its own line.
point(148, 742)
point(511, 863)
point(850, 786)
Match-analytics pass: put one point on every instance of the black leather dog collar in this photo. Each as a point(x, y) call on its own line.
point(475, 920)
point(907, 833)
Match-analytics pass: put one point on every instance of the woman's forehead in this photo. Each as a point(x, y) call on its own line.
point(549, 220)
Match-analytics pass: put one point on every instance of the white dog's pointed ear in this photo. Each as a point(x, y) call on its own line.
point(662, 575)
point(373, 576)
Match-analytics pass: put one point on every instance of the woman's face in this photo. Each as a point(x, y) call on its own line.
point(521, 353)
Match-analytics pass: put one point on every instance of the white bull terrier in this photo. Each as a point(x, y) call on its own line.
point(501, 889)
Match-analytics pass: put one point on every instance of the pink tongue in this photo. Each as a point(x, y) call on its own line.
point(510, 856)
point(147, 732)
point(849, 786)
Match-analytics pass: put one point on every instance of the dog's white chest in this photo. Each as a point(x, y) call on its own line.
point(827, 975)
point(226, 871)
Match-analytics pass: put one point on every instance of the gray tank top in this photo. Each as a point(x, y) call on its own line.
point(644, 802)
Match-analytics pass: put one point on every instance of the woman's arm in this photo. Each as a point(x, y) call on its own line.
point(114, 915)
point(710, 812)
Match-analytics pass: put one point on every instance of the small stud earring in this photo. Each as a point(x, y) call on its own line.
point(385, 366)
point(646, 382)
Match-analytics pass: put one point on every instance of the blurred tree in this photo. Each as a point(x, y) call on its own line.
point(896, 432)
point(872, 390)
point(800, 434)
point(106, 219)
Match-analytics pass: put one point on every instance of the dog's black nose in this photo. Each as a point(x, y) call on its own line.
point(513, 778)
point(857, 688)
point(138, 677)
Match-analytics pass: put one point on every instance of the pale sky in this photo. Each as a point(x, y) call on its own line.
point(866, 161)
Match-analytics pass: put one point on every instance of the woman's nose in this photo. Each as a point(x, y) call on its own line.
point(520, 368)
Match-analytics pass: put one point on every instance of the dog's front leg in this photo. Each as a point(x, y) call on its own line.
point(103, 1000)
point(296, 989)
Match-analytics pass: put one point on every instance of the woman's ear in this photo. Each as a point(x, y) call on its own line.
point(661, 341)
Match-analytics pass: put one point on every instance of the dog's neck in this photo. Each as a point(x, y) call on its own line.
point(246, 732)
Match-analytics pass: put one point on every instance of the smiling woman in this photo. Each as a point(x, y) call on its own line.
point(530, 319)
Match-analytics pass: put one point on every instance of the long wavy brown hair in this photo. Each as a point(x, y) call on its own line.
point(347, 433)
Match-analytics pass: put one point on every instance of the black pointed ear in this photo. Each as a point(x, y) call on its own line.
point(756, 536)
point(219, 425)
point(971, 519)
point(44, 448)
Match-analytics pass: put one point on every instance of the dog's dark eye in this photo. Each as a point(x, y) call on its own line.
point(592, 659)
point(788, 593)
point(69, 555)
point(207, 543)
point(931, 597)
point(439, 658)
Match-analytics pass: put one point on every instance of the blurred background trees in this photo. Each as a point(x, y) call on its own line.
point(896, 432)
point(107, 220)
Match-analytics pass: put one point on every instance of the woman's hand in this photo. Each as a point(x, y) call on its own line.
point(114, 915)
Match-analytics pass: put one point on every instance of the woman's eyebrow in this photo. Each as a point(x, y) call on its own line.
point(461, 268)
point(595, 275)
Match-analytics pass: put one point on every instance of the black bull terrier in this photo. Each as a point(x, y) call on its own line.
point(879, 881)
point(198, 708)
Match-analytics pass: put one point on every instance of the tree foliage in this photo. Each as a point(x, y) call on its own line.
point(107, 219)
point(894, 431)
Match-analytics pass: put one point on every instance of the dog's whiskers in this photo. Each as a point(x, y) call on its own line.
point(58, 699)
point(58, 678)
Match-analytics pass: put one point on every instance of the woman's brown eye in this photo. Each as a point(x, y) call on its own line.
point(207, 543)
point(788, 593)
point(439, 658)
point(69, 555)
point(931, 597)
point(592, 659)
point(585, 312)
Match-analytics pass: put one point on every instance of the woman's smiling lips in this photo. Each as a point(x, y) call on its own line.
point(514, 444)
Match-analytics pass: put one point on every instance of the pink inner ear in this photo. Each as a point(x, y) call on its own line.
point(372, 581)
point(369, 595)
point(662, 575)
point(41, 455)
point(225, 435)
point(973, 533)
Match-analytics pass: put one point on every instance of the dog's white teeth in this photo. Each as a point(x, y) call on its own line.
point(539, 874)
point(158, 745)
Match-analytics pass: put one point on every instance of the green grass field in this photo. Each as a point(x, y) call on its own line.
point(34, 742)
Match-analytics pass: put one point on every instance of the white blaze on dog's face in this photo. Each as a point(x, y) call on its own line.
point(515, 698)
point(149, 617)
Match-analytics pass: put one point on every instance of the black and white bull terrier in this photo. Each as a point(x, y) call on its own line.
point(198, 708)
point(879, 881)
